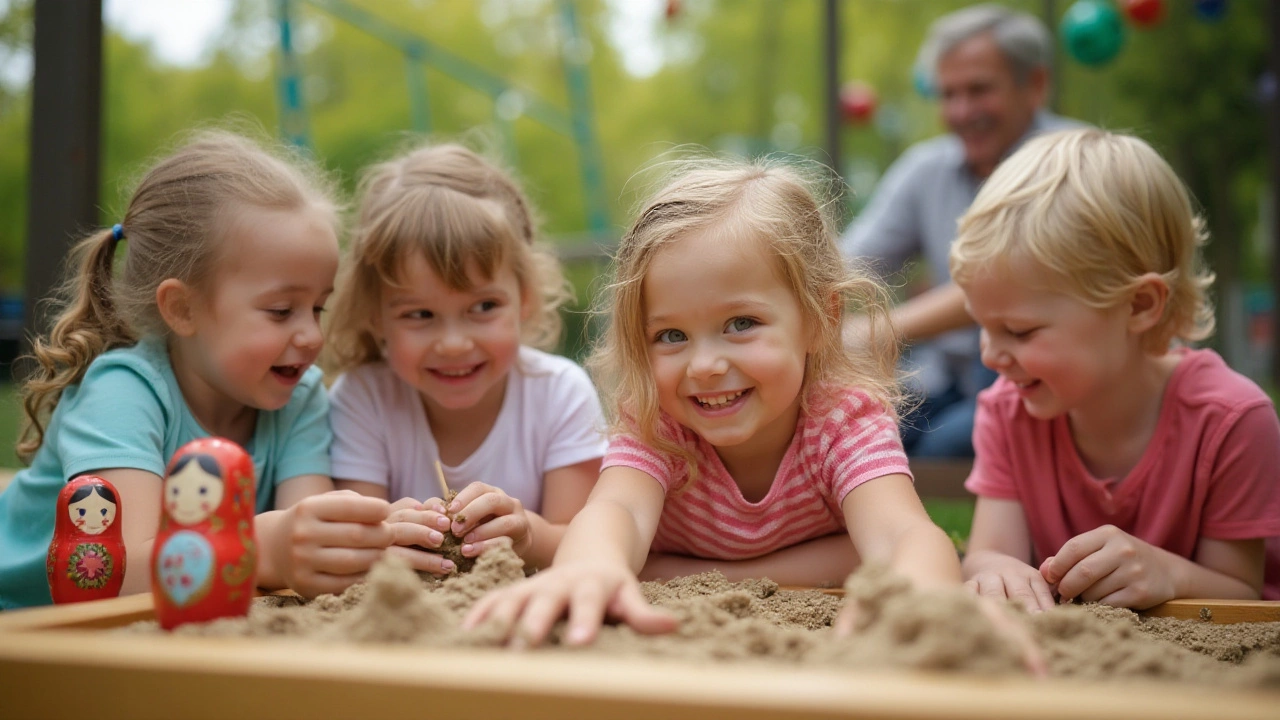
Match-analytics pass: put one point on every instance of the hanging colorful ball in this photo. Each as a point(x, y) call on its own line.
point(857, 102)
point(1092, 32)
point(1211, 10)
point(1144, 13)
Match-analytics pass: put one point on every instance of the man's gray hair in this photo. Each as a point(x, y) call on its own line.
point(1022, 38)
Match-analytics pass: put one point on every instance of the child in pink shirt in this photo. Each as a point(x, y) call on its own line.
point(746, 438)
point(1113, 464)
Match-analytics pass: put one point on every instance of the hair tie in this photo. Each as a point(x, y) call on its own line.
point(117, 232)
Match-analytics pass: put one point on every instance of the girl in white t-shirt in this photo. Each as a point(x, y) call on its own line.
point(442, 303)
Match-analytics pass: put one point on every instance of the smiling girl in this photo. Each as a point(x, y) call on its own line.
point(441, 310)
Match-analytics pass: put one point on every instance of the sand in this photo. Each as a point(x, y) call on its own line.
point(755, 621)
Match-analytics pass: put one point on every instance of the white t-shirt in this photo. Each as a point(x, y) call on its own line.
point(550, 418)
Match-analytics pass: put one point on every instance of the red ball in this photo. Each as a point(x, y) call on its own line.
point(1144, 13)
point(857, 102)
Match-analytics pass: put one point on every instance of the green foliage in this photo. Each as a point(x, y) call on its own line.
point(10, 425)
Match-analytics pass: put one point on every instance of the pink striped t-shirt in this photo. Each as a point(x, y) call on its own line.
point(830, 454)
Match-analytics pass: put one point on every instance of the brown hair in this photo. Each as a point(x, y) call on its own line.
point(458, 211)
point(173, 227)
point(777, 202)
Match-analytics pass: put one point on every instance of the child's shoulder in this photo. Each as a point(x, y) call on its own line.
point(1203, 379)
point(147, 361)
point(840, 406)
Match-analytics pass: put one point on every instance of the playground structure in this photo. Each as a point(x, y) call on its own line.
point(509, 101)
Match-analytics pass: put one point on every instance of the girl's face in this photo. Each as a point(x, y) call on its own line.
point(259, 330)
point(727, 342)
point(1061, 353)
point(454, 347)
point(191, 494)
point(93, 514)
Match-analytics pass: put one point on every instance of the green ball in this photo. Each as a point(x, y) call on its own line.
point(1092, 32)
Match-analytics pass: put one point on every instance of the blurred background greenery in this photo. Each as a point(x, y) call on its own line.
point(736, 76)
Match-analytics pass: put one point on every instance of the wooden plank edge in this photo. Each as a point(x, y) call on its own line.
point(1218, 611)
point(212, 677)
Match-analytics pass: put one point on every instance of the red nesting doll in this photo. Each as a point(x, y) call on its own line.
point(205, 558)
point(86, 557)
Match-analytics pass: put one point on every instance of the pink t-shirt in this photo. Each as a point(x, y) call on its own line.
point(830, 454)
point(1212, 468)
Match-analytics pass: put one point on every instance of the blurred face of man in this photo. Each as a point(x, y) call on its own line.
point(983, 103)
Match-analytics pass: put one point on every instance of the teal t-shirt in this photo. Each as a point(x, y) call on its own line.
point(128, 412)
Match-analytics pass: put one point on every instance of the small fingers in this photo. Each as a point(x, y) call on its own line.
point(420, 559)
point(427, 516)
point(494, 504)
point(586, 614)
point(468, 495)
point(408, 533)
point(630, 606)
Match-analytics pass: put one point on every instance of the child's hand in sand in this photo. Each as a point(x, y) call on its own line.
point(325, 543)
point(481, 513)
point(418, 530)
point(588, 592)
point(1110, 566)
point(997, 576)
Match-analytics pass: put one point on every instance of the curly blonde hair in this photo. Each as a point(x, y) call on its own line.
point(174, 227)
point(458, 211)
point(1094, 211)
point(778, 202)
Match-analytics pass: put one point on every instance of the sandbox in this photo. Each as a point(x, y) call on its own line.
point(60, 661)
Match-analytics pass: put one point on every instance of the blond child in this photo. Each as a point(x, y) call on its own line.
point(746, 439)
point(209, 328)
point(1114, 464)
point(441, 311)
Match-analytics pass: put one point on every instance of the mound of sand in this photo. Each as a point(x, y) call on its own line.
point(898, 627)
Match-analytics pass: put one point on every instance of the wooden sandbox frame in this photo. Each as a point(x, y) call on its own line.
point(56, 662)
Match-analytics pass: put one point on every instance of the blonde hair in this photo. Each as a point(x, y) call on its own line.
point(1095, 211)
point(173, 227)
point(459, 212)
point(776, 203)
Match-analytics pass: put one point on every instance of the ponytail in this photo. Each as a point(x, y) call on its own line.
point(88, 326)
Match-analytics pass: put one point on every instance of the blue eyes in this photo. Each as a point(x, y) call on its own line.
point(104, 512)
point(81, 512)
point(736, 325)
point(203, 490)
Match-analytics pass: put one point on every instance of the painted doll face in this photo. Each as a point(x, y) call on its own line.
point(93, 514)
point(192, 493)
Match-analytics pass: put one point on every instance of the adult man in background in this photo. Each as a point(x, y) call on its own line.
point(990, 68)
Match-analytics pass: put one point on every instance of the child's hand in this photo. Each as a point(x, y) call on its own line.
point(329, 541)
point(589, 592)
point(1001, 576)
point(418, 529)
point(1110, 566)
point(482, 512)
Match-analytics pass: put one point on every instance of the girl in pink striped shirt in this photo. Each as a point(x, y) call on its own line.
point(746, 438)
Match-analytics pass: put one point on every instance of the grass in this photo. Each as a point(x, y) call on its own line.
point(10, 422)
point(953, 516)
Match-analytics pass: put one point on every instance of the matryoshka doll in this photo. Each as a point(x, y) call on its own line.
point(86, 557)
point(205, 558)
